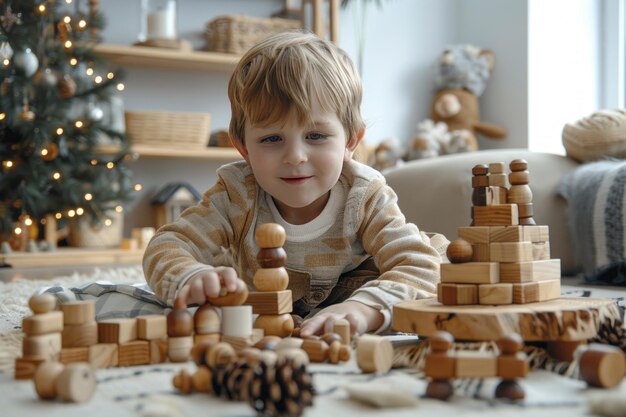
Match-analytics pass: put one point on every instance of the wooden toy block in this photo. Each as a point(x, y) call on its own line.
point(42, 303)
point(25, 367)
point(374, 354)
point(74, 354)
point(563, 350)
point(270, 302)
point(498, 180)
point(511, 251)
point(602, 365)
point(80, 335)
point(440, 365)
point(240, 343)
point(237, 321)
point(119, 331)
point(179, 322)
point(159, 350)
point(457, 294)
point(534, 292)
point(104, 355)
point(47, 346)
point(45, 379)
point(474, 364)
point(530, 271)
point(512, 366)
point(496, 215)
point(150, 327)
point(179, 348)
point(78, 312)
point(474, 234)
point(495, 294)
point(210, 337)
point(459, 251)
point(533, 234)
point(496, 195)
point(470, 273)
point(76, 383)
point(342, 328)
point(481, 252)
point(43, 323)
point(541, 251)
point(275, 325)
point(136, 352)
point(271, 279)
point(316, 349)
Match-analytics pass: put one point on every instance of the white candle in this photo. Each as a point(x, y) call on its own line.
point(162, 23)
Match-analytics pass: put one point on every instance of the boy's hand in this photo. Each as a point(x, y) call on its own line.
point(207, 284)
point(362, 319)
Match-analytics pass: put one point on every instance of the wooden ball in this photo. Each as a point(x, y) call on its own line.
point(179, 323)
point(441, 341)
point(270, 235)
point(45, 379)
point(602, 365)
point(510, 390)
point(76, 383)
point(460, 251)
point(271, 257)
point(518, 165)
point(42, 303)
point(230, 298)
point(510, 344)
point(271, 279)
point(275, 325)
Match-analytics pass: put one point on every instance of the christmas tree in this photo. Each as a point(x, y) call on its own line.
point(53, 89)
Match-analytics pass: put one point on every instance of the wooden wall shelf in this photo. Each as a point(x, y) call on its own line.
point(150, 57)
point(72, 256)
point(147, 151)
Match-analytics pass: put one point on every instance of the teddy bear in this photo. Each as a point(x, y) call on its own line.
point(463, 72)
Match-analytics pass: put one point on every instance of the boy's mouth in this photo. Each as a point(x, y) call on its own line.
point(295, 180)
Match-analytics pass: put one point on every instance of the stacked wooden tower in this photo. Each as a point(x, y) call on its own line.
point(503, 257)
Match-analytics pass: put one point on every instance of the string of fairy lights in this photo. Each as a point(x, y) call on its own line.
point(67, 28)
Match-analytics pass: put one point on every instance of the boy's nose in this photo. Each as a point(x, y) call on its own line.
point(295, 153)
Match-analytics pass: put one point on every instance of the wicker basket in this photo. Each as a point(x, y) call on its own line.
point(237, 34)
point(165, 129)
point(600, 135)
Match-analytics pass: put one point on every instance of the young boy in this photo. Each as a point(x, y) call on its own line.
point(296, 120)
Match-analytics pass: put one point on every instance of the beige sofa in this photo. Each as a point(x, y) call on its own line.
point(435, 194)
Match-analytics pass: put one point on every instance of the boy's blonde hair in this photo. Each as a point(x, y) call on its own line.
point(284, 73)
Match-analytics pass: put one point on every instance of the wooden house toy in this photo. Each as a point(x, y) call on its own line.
point(171, 201)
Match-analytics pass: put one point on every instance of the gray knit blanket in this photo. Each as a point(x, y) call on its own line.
point(597, 219)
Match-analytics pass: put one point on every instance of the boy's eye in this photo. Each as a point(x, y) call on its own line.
point(270, 139)
point(317, 136)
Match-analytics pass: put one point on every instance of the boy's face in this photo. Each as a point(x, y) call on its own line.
point(298, 165)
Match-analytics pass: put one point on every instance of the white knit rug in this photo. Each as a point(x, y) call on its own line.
point(14, 303)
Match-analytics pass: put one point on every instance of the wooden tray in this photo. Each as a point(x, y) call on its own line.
point(564, 319)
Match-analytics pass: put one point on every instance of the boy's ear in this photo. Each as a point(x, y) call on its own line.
point(353, 143)
point(239, 145)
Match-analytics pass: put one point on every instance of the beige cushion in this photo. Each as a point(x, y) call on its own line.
point(435, 194)
point(596, 136)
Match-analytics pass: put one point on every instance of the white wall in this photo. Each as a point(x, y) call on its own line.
point(546, 72)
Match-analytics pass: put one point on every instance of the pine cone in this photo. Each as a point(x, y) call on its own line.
point(280, 391)
point(611, 332)
point(230, 381)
